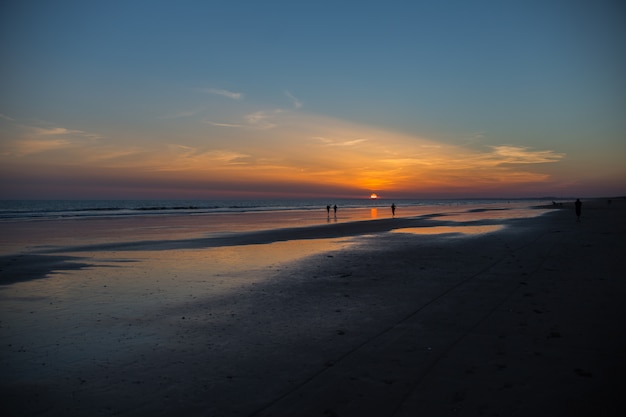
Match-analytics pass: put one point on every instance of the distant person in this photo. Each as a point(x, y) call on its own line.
point(328, 210)
point(393, 209)
point(335, 209)
point(578, 205)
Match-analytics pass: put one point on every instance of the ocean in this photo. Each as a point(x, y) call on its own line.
point(24, 210)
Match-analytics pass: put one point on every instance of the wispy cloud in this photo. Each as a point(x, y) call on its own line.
point(456, 159)
point(181, 114)
point(335, 142)
point(348, 142)
point(409, 161)
point(226, 156)
point(5, 117)
point(60, 131)
point(289, 147)
point(523, 155)
point(261, 119)
point(34, 146)
point(222, 124)
point(473, 138)
point(56, 131)
point(225, 93)
point(115, 157)
point(28, 140)
point(181, 158)
point(296, 102)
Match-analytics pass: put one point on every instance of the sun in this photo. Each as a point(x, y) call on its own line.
point(374, 196)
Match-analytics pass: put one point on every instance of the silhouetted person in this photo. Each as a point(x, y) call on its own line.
point(578, 205)
point(328, 210)
point(335, 209)
point(393, 209)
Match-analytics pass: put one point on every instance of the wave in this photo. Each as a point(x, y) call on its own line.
point(14, 210)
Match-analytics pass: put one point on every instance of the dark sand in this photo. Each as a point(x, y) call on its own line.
point(525, 321)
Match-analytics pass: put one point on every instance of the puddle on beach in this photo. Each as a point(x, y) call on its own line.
point(436, 230)
point(127, 275)
point(492, 214)
point(125, 300)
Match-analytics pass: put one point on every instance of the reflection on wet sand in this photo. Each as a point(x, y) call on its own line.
point(465, 230)
point(120, 302)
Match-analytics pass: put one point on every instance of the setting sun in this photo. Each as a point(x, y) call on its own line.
point(374, 196)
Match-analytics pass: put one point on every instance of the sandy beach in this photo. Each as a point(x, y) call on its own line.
point(368, 316)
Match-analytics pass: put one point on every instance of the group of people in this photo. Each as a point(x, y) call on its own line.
point(577, 205)
point(393, 209)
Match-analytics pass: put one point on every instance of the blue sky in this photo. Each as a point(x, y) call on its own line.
point(275, 98)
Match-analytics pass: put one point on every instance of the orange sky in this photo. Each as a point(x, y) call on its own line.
point(117, 99)
point(281, 153)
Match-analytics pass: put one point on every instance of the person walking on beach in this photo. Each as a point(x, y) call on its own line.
point(328, 210)
point(335, 209)
point(393, 209)
point(578, 205)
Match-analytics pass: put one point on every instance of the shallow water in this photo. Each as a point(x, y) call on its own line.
point(128, 300)
point(463, 230)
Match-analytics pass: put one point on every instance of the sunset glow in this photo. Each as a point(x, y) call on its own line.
point(229, 122)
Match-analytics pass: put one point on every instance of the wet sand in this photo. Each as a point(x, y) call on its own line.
point(341, 319)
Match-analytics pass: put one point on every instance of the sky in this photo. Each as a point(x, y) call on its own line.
point(282, 99)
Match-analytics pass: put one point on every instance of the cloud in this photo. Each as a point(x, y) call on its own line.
point(522, 155)
point(225, 156)
point(182, 158)
point(225, 93)
point(222, 124)
point(473, 138)
point(34, 146)
point(33, 129)
point(214, 155)
point(56, 131)
point(332, 142)
point(498, 160)
point(261, 119)
point(291, 148)
point(181, 114)
point(296, 102)
point(27, 140)
point(351, 142)
point(409, 161)
point(60, 131)
point(114, 157)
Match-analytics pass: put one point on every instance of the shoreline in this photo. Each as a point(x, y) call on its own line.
point(23, 235)
point(522, 321)
point(59, 253)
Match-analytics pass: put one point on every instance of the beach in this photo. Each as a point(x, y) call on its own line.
point(458, 312)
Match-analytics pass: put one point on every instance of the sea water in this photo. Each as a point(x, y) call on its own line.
point(12, 210)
